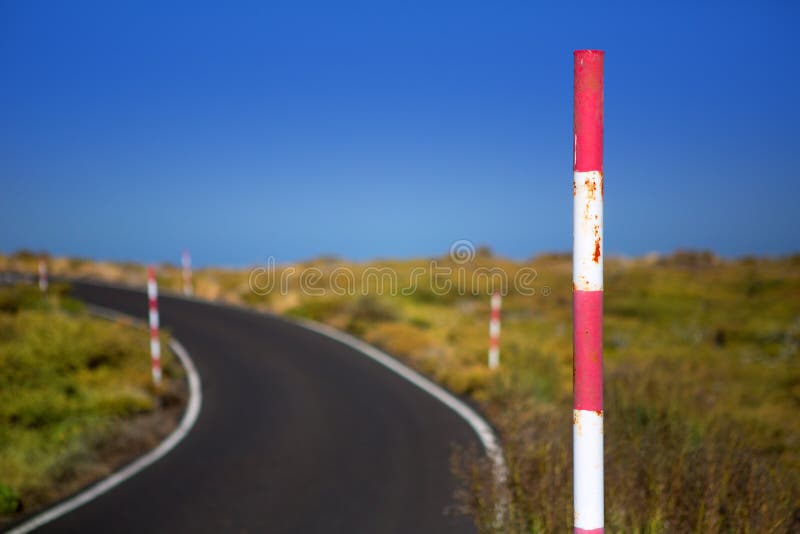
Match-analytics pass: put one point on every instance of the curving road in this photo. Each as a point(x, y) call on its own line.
point(298, 433)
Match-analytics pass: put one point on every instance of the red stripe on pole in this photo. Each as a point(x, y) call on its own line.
point(588, 343)
point(588, 530)
point(588, 110)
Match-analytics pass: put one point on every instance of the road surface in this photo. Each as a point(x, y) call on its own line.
point(297, 433)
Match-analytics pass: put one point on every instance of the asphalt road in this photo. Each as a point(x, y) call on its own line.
point(297, 433)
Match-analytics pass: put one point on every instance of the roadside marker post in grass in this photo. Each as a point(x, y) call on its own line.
point(186, 261)
point(494, 331)
point(43, 276)
point(155, 342)
point(587, 285)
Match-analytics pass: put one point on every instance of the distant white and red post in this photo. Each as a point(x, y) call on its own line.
point(494, 331)
point(43, 275)
point(186, 261)
point(155, 342)
point(587, 283)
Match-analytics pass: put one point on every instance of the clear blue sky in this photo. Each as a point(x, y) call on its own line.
point(379, 129)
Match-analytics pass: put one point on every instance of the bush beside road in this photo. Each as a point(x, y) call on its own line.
point(76, 397)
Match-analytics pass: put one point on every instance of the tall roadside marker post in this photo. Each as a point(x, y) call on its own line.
point(155, 342)
point(43, 275)
point(494, 331)
point(587, 286)
point(186, 261)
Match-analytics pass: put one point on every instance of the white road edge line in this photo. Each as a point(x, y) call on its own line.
point(118, 477)
point(479, 425)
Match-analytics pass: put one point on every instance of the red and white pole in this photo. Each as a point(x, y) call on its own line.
point(186, 261)
point(587, 284)
point(43, 275)
point(494, 332)
point(155, 342)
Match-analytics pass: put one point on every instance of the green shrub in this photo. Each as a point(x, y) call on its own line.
point(317, 308)
point(68, 382)
point(9, 500)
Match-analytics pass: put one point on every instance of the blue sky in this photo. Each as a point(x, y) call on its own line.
point(383, 129)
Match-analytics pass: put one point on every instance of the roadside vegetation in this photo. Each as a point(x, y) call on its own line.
point(702, 380)
point(76, 397)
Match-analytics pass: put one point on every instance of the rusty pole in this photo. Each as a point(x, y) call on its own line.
point(587, 285)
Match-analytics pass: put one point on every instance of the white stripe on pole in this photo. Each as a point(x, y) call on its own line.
point(587, 437)
point(152, 287)
point(494, 331)
point(587, 213)
point(155, 350)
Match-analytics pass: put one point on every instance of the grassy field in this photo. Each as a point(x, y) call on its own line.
point(76, 398)
point(701, 362)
